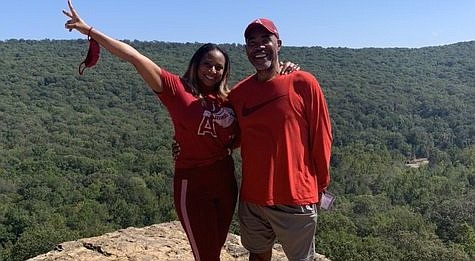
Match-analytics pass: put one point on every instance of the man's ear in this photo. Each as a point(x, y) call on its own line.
point(279, 43)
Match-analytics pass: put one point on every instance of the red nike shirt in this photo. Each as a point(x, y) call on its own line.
point(204, 128)
point(285, 139)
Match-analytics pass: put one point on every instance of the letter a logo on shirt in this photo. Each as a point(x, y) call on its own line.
point(207, 125)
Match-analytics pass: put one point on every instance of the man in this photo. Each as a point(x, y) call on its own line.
point(285, 148)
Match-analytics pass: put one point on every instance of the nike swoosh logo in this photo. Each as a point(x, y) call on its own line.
point(246, 111)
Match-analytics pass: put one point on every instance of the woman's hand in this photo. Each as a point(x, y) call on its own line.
point(75, 22)
point(288, 67)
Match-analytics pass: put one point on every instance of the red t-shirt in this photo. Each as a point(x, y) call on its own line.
point(285, 139)
point(204, 128)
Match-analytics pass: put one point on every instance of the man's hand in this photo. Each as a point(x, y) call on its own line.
point(175, 149)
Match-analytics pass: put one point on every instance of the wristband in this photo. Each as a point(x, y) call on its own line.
point(89, 32)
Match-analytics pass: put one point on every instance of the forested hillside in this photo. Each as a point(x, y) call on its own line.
point(84, 155)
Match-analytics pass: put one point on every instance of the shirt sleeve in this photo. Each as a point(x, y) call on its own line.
point(170, 83)
point(320, 131)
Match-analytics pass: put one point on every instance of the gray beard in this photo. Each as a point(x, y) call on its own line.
point(265, 66)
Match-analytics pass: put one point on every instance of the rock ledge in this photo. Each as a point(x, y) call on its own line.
point(166, 241)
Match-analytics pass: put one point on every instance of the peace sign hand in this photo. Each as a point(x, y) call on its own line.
point(75, 22)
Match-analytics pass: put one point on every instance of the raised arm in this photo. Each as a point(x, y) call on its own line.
point(149, 71)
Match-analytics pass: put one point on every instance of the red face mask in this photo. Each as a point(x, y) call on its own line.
point(92, 55)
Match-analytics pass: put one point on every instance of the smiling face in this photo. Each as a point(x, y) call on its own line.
point(262, 48)
point(211, 70)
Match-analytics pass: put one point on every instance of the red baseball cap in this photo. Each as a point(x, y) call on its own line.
point(264, 23)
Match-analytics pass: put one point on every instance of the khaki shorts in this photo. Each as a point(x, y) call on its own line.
point(293, 226)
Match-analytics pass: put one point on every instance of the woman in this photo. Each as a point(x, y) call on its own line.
point(205, 189)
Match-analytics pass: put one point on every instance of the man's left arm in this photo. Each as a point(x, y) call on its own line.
point(320, 132)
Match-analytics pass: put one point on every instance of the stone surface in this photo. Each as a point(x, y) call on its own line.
point(165, 241)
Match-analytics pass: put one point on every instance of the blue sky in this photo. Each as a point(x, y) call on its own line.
point(326, 23)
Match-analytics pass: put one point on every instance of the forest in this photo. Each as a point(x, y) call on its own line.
point(81, 156)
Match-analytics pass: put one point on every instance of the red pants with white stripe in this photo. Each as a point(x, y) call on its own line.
point(205, 200)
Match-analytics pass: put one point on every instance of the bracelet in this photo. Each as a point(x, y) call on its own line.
point(89, 32)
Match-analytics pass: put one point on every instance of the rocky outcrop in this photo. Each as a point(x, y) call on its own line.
point(165, 241)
